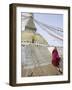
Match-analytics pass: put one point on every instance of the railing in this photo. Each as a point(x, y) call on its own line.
point(23, 43)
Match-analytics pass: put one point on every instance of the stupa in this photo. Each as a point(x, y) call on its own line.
point(34, 57)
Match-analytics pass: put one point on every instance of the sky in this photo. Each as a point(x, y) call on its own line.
point(53, 20)
point(50, 19)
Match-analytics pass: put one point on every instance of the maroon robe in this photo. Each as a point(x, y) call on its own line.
point(55, 58)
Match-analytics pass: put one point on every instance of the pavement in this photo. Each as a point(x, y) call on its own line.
point(47, 70)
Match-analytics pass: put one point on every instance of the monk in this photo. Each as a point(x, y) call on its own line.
point(55, 57)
